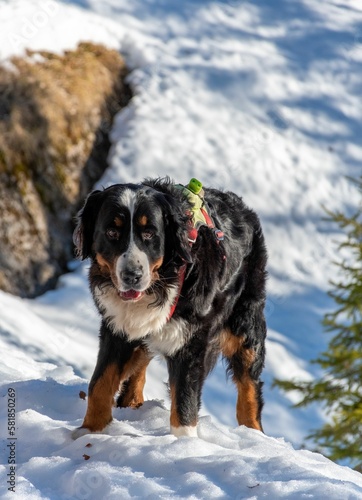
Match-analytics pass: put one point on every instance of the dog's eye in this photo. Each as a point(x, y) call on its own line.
point(113, 234)
point(147, 235)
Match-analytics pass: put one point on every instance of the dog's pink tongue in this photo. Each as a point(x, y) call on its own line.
point(131, 295)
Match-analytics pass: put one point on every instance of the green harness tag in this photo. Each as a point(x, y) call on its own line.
point(195, 195)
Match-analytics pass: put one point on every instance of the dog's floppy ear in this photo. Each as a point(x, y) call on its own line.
point(177, 224)
point(86, 219)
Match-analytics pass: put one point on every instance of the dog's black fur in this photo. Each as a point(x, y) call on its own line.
point(219, 309)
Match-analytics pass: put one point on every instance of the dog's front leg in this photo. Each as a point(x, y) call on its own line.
point(114, 353)
point(186, 378)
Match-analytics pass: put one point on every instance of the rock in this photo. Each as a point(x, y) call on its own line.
point(55, 115)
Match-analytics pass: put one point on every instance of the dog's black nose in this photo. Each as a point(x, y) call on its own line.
point(131, 276)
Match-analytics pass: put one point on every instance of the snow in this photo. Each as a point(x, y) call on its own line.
point(258, 97)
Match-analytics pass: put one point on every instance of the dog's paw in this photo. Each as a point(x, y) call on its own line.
point(79, 432)
point(188, 431)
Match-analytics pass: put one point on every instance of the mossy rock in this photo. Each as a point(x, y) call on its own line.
point(53, 109)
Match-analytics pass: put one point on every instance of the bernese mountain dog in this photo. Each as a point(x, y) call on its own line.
point(166, 283)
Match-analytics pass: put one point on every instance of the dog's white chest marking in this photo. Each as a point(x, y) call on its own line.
point(140, 320)
point(169, 339)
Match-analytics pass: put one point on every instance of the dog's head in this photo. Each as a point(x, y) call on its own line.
point(133, 232)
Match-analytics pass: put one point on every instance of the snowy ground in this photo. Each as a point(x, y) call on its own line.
point(259, 97)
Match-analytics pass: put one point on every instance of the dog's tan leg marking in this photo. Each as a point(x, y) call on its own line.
point(174, 419)
point(177, 429)
point(247, 402)
point(100, 399)
point(230, 344)
point(135, 372)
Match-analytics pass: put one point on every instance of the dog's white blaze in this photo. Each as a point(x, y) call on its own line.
point(134, 256)
point(135, 319)
point(184, 430)
point(128, 198)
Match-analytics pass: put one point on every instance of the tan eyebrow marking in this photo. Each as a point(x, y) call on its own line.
point(118, 221)
point(142, 220)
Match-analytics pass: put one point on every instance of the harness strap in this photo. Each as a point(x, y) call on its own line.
point(181, 279)
point(219, 235)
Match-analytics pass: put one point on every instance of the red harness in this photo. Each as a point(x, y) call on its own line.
point(181, 279)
